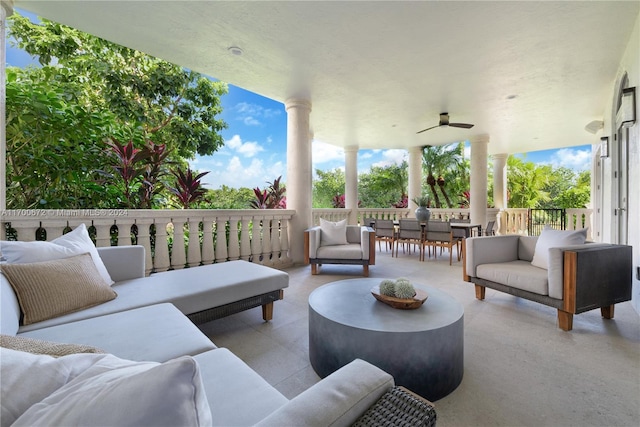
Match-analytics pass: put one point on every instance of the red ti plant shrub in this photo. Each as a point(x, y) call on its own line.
point(270, 198)
point(277, 199)
point(338, 201)
point(129, 165)
point(403, 203)
point(188, 188)
point(261, 200)
point(465, 200)
point(153, 171)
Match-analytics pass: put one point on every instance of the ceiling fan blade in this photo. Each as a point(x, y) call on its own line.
point(424, 130)
point(461, 125)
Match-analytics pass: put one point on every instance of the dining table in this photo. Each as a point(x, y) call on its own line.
point(468, 228)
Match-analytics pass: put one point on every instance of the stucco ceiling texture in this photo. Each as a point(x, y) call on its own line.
point(530, 75)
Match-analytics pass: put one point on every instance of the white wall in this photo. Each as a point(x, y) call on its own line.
point(630, 64)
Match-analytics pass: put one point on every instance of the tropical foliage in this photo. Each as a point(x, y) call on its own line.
point(89, 90)
point(442, 165)
point(271, 197)
point(188, 188)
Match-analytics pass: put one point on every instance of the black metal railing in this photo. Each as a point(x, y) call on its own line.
point(538, 218)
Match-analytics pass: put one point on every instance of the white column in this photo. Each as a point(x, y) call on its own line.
point(299, 175)
point(5, 11)
point(500, 180)
point(478, 203)
point(415, 177)
point(351, 183)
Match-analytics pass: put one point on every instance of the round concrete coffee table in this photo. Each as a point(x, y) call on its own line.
point(422, 348)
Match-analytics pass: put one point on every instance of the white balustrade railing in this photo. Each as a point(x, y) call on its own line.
point(516, 220)
point(513, 221)
point(190, 237)
point(337, 214)
point(580, 218)
point(382, 213)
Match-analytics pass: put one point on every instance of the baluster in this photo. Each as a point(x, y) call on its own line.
point(161, 260)
point(221, 239)
point(207, 242)
point(256, 242)
point(178, 255)
point(245, 239)
point(284, 240)
point(55, 228)
point(275, 240)
point(103, 232)
point(194, 255)
point(267, 224)
point(234, 243)
point(26, 233)
point(144, 240)
point(124, 232)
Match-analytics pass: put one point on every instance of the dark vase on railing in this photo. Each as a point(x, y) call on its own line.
point(423, 214)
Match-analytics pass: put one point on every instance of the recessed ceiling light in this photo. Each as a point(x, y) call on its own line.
point(235, 50)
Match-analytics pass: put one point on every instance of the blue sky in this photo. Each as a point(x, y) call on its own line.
point(255, 148)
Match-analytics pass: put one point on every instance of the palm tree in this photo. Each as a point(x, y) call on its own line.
point(525, 183)
point(438, 161)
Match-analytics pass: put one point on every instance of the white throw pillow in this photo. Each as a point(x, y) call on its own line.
point(29, 378)
point(117, 392)
point(333, 233)
point(551, 238)
point(73, 243)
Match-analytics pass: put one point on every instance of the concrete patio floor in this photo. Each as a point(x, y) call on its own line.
point(520, 368)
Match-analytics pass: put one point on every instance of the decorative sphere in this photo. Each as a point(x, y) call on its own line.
point(388, 288)
point(404, 289)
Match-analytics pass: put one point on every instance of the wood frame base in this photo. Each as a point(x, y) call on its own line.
point(565, 320)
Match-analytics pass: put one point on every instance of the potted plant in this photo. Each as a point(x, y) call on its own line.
point(422, 212)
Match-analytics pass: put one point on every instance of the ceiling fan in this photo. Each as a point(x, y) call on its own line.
point(444, 121)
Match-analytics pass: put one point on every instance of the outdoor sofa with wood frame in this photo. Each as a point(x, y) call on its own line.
point(579, 278)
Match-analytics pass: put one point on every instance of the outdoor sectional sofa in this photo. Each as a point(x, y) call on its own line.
point(138, 359)
point(557, 269)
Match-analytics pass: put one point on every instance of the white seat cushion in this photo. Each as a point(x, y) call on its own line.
point(517, 274)
point(191, 290)
point(350, 251)
point(237, 395)
point(160, 333)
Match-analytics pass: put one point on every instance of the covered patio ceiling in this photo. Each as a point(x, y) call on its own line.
point(531, 75)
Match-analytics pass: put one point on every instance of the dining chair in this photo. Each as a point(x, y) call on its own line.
point(489, 231)
point(410, 232)
point(385, 232)
point(369, 222)
point(440, 235)
point(459, 233)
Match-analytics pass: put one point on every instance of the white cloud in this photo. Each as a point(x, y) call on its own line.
point(251, 121)
point(234, 142)
point(577, 160)
point(323, 152)
point(247, 149)
point(392, 157)
point(251, 114)
point(239, 172)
